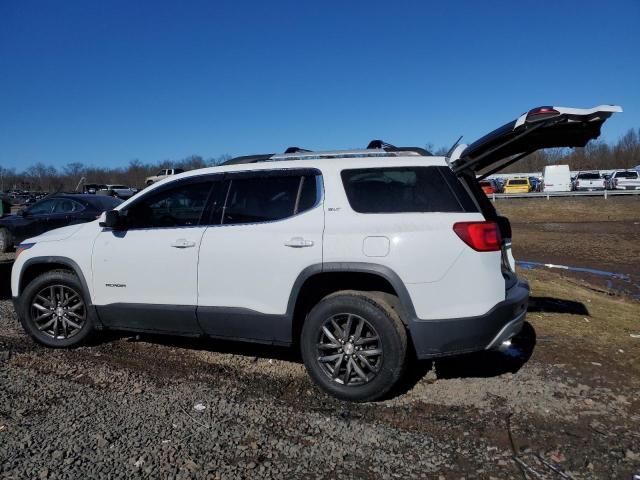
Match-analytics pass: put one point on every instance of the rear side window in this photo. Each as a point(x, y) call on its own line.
point(405, 190)
point(268, 197)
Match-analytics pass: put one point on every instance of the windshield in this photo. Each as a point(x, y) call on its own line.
point(119, 187)
point(517, 182)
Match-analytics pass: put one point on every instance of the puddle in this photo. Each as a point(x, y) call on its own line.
point(619, 283)
point(529, 265)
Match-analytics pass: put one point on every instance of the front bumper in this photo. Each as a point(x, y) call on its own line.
point(453, 336)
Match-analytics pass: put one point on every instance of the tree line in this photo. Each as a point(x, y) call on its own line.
point(597, 155)
point(47, 178)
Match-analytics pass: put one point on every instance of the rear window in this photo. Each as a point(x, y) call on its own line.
point(589, 176)
point(518, 182)
point(105, 203)
point(406, 190)
point(626, 174)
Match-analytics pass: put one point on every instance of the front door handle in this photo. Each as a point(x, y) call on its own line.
point(298, 242)
point(182, 243)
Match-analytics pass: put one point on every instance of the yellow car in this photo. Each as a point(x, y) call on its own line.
point(517, 185)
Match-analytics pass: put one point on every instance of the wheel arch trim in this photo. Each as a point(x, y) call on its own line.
point(66, 261)
point(353, 267)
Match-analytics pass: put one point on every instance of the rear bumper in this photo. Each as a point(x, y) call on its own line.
point(438, 338)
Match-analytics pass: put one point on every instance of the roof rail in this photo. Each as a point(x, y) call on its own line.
point(249, 159)
point(387, 147)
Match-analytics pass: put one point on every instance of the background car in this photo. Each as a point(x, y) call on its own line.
point(624, 180)
point(164, 173)
point(52, 212)
point(488, 187)
point(517, 185)
point(588, 181)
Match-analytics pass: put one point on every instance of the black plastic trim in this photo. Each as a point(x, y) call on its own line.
point(438, 338)
point(178, 319)
point(67, 262)
point(244, 324)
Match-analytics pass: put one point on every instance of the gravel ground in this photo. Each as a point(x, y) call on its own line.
point(154, 407)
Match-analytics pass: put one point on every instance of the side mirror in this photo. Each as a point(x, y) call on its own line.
point(112, 220)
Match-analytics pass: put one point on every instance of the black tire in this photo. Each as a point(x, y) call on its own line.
point(61, 334)
point(380, 321)
point(149, 183)
point(6, 240)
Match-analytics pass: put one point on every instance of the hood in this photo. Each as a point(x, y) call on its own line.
point(55, 235)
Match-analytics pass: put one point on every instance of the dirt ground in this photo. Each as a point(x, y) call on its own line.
point(561, 403)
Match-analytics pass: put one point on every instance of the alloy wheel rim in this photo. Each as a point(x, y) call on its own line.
point(349, 350)
point(58, 312)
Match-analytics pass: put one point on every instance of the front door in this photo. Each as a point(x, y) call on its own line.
point(145, 274)
point(269, 230)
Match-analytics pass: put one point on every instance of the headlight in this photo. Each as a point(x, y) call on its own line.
point(22, 247)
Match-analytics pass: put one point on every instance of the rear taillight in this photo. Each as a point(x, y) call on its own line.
point(481, 236)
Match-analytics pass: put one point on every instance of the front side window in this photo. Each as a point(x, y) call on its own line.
point(267, 198)
point(180, 206)
point(405, 190)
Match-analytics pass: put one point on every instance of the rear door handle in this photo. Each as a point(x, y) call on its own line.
point(183, 243)
point(298, 242)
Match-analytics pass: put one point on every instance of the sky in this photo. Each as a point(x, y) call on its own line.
point(103, 83)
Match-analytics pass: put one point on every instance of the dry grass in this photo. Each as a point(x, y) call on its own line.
point(592, 209)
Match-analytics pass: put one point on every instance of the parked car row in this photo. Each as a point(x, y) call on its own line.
point(52, 212)
point(120, 191)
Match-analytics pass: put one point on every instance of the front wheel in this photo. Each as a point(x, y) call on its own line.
point(354, 346)
point(54, 310)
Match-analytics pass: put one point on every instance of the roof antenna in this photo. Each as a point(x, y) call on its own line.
point(453, 147)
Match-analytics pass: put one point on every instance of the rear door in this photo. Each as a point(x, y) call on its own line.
point(542, 127)
point(267, 230)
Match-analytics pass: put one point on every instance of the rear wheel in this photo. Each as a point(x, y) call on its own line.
point(354, 346)
point(6, 240)
point(55, 311)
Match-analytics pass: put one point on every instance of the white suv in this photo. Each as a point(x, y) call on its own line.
point(358, 256)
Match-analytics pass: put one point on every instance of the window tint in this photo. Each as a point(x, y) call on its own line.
point(626, 174)
point(180, 206)
point(405, 189)
point(269, 197)
point(518, 182)
point(41, 208)
point(589, 176)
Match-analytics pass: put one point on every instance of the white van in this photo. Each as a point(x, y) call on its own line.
point(556, 178)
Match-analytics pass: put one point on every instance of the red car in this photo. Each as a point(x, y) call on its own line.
point(488, 187)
